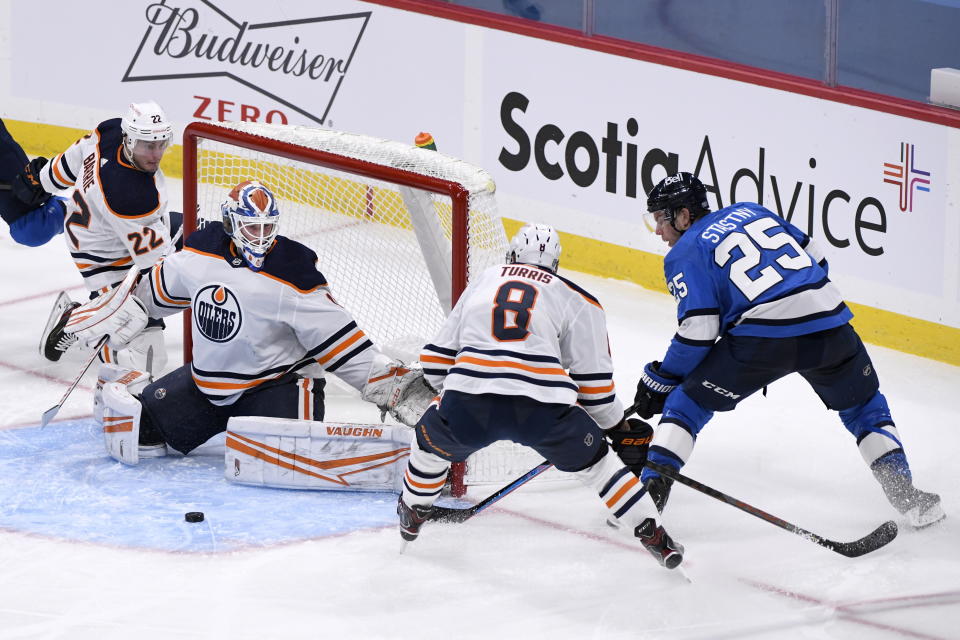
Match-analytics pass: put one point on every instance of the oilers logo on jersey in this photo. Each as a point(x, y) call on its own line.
point(217, 313)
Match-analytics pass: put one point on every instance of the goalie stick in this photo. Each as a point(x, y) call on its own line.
point(50, 413)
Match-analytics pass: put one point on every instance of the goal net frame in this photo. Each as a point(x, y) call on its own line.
point(458, 193)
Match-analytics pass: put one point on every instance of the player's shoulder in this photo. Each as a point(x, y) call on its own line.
point(209, 239)
point(295, 264)
point(127, 191)
point(572, 286)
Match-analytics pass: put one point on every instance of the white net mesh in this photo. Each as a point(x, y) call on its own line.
point(380, 264)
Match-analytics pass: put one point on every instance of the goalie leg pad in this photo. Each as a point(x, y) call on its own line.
point(121, 423)
point(133, 379)
point(305, 454)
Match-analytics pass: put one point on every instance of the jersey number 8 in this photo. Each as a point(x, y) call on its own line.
point(511, 313)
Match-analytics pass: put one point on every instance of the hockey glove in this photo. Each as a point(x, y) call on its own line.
point(402, 391)
point(653, 389)
point(26, 186)
point(630, 440)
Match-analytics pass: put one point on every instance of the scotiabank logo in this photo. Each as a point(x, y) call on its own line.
point(615, 158)
point(906, 176)
point(299, 63)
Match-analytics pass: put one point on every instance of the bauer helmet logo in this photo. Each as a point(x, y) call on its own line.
point(867, 370)
point(588, 440)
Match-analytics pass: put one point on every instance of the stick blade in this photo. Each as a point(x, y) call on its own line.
point(48, 415)
point(446, 514)
point(879, 537)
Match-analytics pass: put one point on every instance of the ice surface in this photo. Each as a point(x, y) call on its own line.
point(92, 549)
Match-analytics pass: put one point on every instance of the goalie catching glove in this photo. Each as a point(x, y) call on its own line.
point(116, 313)
point(398, 390)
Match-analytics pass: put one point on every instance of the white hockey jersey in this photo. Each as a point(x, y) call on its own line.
point(522, 330)
point(253, 326)
point(117, 215)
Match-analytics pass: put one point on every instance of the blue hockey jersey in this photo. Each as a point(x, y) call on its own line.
point(744, 270)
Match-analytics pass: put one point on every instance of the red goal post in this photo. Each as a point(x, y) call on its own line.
point(398, 229)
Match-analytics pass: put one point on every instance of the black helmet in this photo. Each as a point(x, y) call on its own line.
point(677, 191)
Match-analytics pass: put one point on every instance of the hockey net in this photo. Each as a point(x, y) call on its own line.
point(398, 230)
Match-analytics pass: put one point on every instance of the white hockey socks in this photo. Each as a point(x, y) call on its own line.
point(425, 476)
point(620, 491)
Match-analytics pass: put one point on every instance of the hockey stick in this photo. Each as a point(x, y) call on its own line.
point(877, 538)
point(447, 514)
point(49, 414)
point(870, 542)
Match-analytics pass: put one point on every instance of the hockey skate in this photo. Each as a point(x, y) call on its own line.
point(411, 519)
point(920, 508)
point(660, 545)
point(54, 342)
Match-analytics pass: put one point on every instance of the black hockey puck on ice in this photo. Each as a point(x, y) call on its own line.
point(193, 516)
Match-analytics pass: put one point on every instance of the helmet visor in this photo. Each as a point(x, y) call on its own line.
point(653, 219)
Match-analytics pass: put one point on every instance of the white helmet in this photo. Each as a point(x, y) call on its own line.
point(144, 121)
point(535, 244)
point(251, 218)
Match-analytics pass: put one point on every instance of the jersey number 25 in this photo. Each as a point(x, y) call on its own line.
point(750, 244)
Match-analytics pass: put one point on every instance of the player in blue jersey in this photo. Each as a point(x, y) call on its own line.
point(755, 303)
point(30, 224)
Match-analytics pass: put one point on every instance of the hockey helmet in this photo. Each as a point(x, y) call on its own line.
point(535, 244)
point(252, 220)
point(674, 193)
point(144, 121)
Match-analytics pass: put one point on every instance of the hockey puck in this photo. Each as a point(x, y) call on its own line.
point(193, 516)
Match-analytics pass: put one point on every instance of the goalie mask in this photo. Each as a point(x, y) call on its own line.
point(535, 244)
point(146, 135)
point(252, 220)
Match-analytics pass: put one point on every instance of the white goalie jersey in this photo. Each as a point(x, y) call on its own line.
point(253, 326)
point(117, 215)
point(523, 330)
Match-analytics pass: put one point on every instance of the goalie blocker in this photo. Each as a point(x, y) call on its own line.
point(305, 454)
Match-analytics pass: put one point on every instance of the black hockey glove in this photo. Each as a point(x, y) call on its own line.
point(26, 186)
point(653, 389)
point(630, 440)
